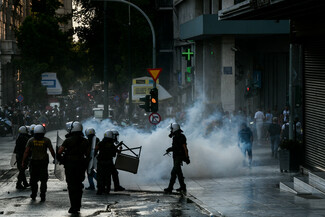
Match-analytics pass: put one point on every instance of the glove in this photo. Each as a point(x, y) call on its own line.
point(187, 160)
point(169, 150)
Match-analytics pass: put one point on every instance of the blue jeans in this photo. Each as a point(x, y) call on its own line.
point(275, 141)
point(247, 147)
point(91, 176)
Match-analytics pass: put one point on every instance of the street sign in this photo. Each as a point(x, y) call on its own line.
point(154, 73)
point(154, 118)
point(20, 98)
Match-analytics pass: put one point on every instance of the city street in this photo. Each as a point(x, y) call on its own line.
point(254, 192)
point(133, 202)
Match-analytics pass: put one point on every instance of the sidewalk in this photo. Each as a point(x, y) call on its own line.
point(255, 194)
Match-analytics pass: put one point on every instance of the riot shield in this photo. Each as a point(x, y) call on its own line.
point(13, 161)
point(93, 161)
point(58, 168)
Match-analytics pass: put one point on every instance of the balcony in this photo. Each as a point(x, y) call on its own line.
point(164, 4)
point(209, 25)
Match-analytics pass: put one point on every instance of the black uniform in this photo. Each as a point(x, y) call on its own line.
point(179, 155)
point(38, 146)
point(76, 150)
point(21, 143)
point(105, 166)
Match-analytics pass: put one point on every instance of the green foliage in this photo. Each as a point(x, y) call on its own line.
point(46, 48)
point(91, 32)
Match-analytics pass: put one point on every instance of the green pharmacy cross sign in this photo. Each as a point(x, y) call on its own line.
point(188, 54)
point(189, 71)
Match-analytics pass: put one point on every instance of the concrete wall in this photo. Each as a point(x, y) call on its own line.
point(227, 3)
point(228, 78)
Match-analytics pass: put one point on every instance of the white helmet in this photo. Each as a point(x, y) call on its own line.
point(89, 131)
point(74, 126)
point(115, 134)
point(109, 134)
point(32, 127)
point(175, 127)
point(39, 129)
point(23, 130)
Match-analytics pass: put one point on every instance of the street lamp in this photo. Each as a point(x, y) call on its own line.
point(105, 53)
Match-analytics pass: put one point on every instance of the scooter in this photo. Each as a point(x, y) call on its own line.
point(5, 127)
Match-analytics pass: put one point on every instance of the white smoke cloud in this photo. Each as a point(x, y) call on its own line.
point(212, 155)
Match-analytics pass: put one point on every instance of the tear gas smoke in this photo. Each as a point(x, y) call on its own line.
point(213, 152)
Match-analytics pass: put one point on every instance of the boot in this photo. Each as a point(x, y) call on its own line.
point(20, 186)
point(119, 188)
point(33, 196)
point(43, 197)
point(181, 189)
point(168, 190)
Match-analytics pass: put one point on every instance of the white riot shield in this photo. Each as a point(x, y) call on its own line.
point(93, 161)
point(58, 168)
point(13, 161)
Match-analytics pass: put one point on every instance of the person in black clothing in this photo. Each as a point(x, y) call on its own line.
point(180, 154)
point(73, 154)
point(274, 132)
point(105, 166)
point(38, 146)
point(245, 141)
point(19, 151)
point(116, 180)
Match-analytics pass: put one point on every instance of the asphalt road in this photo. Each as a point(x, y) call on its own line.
point(15, 202)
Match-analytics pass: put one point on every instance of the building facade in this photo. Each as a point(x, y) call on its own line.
point(228, 57)
point(307, 43)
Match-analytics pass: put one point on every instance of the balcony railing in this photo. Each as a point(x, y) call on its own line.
point(164, 3)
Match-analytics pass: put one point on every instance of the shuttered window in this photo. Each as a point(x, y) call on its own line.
point(314, 93)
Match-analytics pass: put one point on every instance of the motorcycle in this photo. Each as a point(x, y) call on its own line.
point(5, 127)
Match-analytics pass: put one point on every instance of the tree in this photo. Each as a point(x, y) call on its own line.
point(90, 33)
point(46, 48)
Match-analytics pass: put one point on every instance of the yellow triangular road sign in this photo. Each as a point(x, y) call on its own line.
point(154, 73)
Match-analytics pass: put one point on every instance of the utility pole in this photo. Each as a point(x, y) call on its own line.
point(106, 112)
point(129, 63)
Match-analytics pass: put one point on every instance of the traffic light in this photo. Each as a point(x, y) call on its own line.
point(249, 91)
point(146, 105)
point(154, 100)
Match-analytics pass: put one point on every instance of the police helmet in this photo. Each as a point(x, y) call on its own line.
point(89, 131)
point(32, 127)
point(175, 127)
point(115, 134)
point(23, 130)
point(74, 126)
point(109, 134)
point(39, 129)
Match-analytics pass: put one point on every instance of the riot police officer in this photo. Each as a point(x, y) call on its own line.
point(180, 154)
point(38, 146)
point(19, 150)
point(91, 175)
point(107, 150)
point(116, 180)
point(75, 150)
